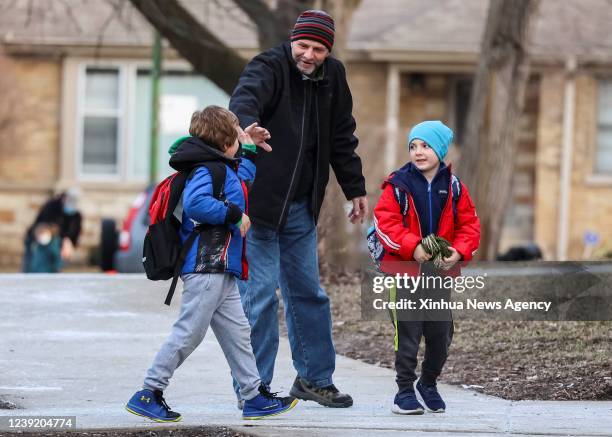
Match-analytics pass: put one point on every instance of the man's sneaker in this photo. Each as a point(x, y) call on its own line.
point(328, 396)
point(431, 397)
point(266, 404)
point(407, 403)
point(151, 404)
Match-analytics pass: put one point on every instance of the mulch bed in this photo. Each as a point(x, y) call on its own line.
point(513, 360)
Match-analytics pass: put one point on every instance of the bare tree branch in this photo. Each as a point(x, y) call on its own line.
point(71, 16)
point(30, 13)
point(207, 53)
point(8, 5)
point(268, 24)
point(232, 14)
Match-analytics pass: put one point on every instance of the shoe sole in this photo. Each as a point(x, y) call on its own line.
point(178, 419)
point(291, 406)
point(397, 410)
point(306, 396)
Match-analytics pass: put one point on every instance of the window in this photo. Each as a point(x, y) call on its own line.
point(100, 122)
point(114, 117)
point(461, 90)
point(603, 158)
point(181, 93)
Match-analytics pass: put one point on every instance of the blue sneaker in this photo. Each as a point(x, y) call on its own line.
point(266, 404)
point(151, 404)
point(407, 403)
point(431, 397)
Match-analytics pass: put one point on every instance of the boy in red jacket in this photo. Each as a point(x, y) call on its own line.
point(428, 187)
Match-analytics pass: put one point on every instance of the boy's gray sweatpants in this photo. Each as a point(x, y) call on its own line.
point(208, 299)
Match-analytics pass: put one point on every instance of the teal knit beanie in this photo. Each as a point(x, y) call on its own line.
point(435, 133)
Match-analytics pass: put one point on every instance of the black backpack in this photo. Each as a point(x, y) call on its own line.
point(163, 253)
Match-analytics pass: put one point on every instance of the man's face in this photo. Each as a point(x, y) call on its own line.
point(308, 55)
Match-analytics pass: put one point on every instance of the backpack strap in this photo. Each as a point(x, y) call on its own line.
point(456, 187)
point(217, 170)
point(402, 199)
point(179, 265)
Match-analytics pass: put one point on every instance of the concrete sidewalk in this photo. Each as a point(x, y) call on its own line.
point(79, 345)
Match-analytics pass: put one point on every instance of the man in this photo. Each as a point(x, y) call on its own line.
point(300, 94)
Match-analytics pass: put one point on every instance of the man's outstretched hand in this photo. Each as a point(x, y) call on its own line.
point(258, 135)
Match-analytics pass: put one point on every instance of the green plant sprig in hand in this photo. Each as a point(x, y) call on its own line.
point(438, 248)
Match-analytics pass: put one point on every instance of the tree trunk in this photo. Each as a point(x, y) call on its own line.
point(487, 159)
point(334, 243)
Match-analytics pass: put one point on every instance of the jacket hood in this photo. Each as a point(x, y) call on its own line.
point(193, 151)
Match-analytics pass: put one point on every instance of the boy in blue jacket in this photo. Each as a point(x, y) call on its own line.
point(212, 266)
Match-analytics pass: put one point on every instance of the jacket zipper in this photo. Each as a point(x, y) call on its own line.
point(297, 162)
point(442, 215)
point(429, 205)
point(225, 250)
point(316, 175)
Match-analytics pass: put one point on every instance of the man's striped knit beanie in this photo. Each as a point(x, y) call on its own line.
point(315, 25)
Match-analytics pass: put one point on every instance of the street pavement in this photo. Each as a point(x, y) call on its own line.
point(79, 345)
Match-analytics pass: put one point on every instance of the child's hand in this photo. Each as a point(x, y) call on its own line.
point(420, 255)
point(258, 136)
point(245, 224)
point(447, 263)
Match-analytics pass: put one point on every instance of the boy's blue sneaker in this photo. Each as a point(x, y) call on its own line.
point(151, 404)
point(431, 397)
point(406, 403)
point(266, 404)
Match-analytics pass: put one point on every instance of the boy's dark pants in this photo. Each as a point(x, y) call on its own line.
point(438, 336)
point(435, 325)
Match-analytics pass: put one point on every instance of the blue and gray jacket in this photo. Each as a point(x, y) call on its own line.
point(219, 247)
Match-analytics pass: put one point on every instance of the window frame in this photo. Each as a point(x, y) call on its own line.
point(119, 113)
point(127, 76)
point(595, 172)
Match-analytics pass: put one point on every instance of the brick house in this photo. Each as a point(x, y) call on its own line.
point(84, 83)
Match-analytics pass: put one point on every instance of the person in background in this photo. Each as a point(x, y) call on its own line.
point(61, 217)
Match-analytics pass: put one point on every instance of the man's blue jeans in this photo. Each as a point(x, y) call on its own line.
point(288, 258)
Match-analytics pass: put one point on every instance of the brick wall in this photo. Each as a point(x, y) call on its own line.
point(590, 200)
point(29, 168)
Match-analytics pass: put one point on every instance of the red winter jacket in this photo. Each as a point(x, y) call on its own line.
point(400, 241)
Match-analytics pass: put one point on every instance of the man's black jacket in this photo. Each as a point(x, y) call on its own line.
point(271, 91)
point(52, 212)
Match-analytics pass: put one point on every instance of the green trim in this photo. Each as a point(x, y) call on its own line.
point(177, 143)
point(393, 298)
point(249, 147)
